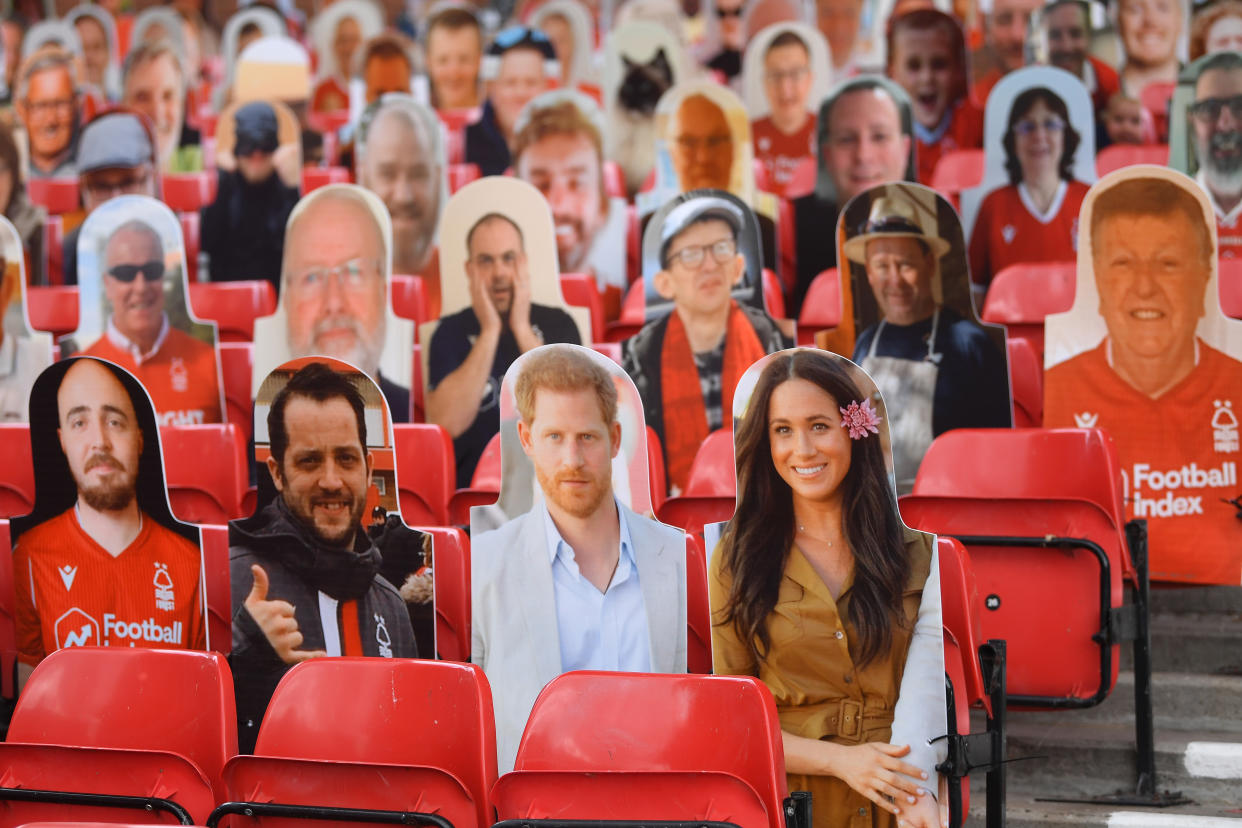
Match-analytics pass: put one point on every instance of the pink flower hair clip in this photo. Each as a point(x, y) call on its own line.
point(860, 419)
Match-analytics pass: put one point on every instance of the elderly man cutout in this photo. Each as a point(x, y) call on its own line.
point(47, 103)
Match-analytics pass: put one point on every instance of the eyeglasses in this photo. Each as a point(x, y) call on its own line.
point(689, 143)
point(350, 275)
point(1208, 110)
point(1027, 127)
point(779, 77)
point(45, 108)
point(723, 13)
point(104, 190)
point(151, 271)
point(692, 257)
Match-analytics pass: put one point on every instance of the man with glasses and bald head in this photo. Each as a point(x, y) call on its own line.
point(178, 370)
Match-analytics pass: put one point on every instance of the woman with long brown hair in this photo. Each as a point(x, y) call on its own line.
point(817, 588)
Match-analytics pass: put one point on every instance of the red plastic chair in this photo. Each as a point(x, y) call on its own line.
point(773, 296)
point(484, 485)
point(451, 567)
point(375, 734)
point(236, 367)
point(614, 180)
point(638, 746)
point(1231, 287)
point(57, 195)
point(786, 266)
point(633, 245)
point(329, 121)
point(53, 308)
point(419, 415)
point(579, 289)
point(409, 298)
point(117, 721)
point(315, 177)
point(1022, 295)
point(633, 314)
point(656, 475)
point(206, 470)
point(425, 472)
point(956, 171)
point(1026, 374)
point(711, 491)
point(8, 616)
point(233, 306)
point(215, 544)
point(698, 610)
point(17, 488)
point(189, 192)
point(1049, 548)
point(821, 307)
point(459, 175)
point(1155, 98)
point(612, 350)
point(53, 250)
point(191, 237)
point(1116, 156)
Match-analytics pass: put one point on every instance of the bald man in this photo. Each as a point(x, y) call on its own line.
point(177, 370)
point(701, 145)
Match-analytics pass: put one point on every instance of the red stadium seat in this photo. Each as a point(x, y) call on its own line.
point(459, 175)
point(1049, 548)
point(57, 195)
point(803, 180)
point(8, 616)
point(53, 309)
point(189, 192)
point(215, 543)
point(786, 266)
point(206, 470)
point(1116, 156)
point(191, 238)
point(1231, 287)
point(149, 724)
point(821, 308)
point(633, 245)
point(633, 314)
point(634, 746)
point(450, 557)
point(1026, 373)
point(425, 473)
point(410, 735)
point(1155, 98)
point(614, 180)
point(53, 250)
point(698, 611)
point(416, 389)
point(315, 177)
point(329, 121)
point(233, 306)
point(773, 296)
point(409, 298)
point(612, 350)
point(17, 488)
point(711, 491)
point(236, 366)
point(656, 475)
point(484, 485)
point(1022, 295)
point(956, 171)
point(579, 290)
point(763, 182)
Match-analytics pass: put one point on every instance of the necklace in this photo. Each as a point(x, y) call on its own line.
point(802, 529)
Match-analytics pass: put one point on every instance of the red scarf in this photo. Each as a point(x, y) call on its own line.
point(685, 415)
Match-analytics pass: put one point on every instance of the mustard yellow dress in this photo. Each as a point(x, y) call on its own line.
point(820, 693)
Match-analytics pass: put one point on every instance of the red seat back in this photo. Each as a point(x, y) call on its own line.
point(655, 470)
point(1155, 98)
point(698, 611)
point(233, 306)
point(425, 472)
point(236, 367)
point(484, 485)
point(1231, 287)
point(215, 543)
point(328, 121)
point(206, 471)
point(315, 177)
point(53, 250)
point(579, 289)
point(1116, 156)
point(614, 180)
point(189, 192)
point(711, 489)
point(619, 739)
point(409, 298)
point(1022, 295)
point(962, 611)
point(191, 236)
point(17, 487)
point(8, 616)
point(57, 195)
point(821, 307)
point(1026, 372)
point(957, 171)
point(773, 296)
point(53, 309)
point(802, 181)
point(451, 566)
point(459, 175)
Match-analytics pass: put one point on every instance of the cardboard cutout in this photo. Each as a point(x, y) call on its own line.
point(272, 69)
point(288, 156)
point(1153, 39)
point(917, 332)
point(758, 100)
point(335, 297)
point(345, 21)
point(159, 22)
point(133, 309)
point(579, 66)
point(354, 579)
point(55, 32)
point(512, 573)
point(269, 23)
point(24, 350)
point(147, 592)
point(1006, 224)
point(1156, 364)
point(111, 86)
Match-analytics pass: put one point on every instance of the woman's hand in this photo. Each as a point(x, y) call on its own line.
point(925, 813)
point(875, 771)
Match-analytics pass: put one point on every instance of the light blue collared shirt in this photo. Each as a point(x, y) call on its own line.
point(598, 630)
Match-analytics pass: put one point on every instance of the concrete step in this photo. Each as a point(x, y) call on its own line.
point(1196, 599)
point(1193, 642)
point(1024, 811)
point(1181, 701)
point(1059, 758)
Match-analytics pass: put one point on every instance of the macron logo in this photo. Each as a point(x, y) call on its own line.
point(67, 574)
point(1086, 419)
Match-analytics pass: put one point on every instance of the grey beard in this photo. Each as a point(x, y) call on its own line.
point(1227, 182)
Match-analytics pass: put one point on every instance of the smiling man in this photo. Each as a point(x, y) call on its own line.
point(178, 370)
point(580, 582)
point(1067, 24)
point(937, 370)
point(47, 102)
point(786, 135)
point(1216, 123)
point(687, 363)
point(701, 145)
point(305, 575)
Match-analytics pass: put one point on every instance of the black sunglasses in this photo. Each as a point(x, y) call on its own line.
point(151, 271)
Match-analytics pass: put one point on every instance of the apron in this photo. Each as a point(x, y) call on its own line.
point(909, 391)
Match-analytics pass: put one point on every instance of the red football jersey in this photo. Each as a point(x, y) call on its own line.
point(1008, 230)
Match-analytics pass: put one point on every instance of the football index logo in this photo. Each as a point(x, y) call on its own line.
point(77, 629)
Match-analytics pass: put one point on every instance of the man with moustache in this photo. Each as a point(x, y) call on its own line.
point(580, 582)
point(104, 572)
point(1067, 24)
point(305, 575)
point(1216, 121)
point(400, 160)
point(559, 149)
point(471, 349)
point(178, 371)
point(336, 286)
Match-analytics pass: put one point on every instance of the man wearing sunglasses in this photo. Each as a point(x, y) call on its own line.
point(687, 363)
point(1216, 123)
point(178, 371)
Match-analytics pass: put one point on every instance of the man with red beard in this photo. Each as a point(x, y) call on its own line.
point(580, 582)
point(103, 572)
point(1214, 117)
